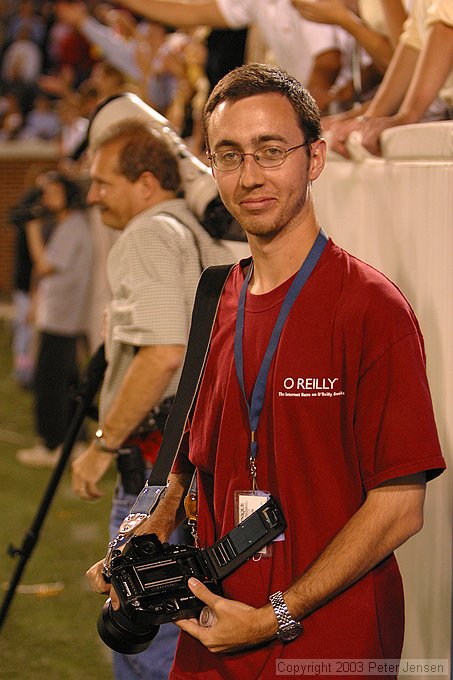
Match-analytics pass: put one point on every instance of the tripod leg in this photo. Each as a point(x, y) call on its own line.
point(87, 391)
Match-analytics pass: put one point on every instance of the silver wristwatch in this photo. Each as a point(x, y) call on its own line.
point(288, 629)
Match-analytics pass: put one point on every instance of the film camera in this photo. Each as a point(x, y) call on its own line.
point(150, 578)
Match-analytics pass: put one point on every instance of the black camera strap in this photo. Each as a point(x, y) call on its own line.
point(206, 303)
point(204, 312)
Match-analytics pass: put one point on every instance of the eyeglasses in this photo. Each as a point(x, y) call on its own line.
point(266, 156)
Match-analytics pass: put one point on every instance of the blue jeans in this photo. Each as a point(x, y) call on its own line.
point(155, 662)
point(23, 340)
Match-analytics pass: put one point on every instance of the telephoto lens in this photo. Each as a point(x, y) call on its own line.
point(125, 634)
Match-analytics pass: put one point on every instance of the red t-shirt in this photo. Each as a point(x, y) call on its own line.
point(347, 407)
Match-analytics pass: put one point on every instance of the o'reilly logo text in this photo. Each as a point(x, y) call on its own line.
point(310, 386)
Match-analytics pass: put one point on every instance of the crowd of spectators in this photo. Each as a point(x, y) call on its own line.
point(59, 60)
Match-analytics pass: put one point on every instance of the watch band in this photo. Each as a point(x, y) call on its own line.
point(100, 442)
point(288, 628)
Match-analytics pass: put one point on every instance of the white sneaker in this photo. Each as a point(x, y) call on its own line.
point(39, 456)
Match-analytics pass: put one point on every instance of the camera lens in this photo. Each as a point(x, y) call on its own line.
point(122, 633)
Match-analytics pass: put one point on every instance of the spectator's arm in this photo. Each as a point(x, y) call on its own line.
point(377, 45)
point(118, 51)
point(180, 14)
point(396, 81)
point(431, 69)
point(334, 12)
point(326, 67)
point(433, 66)
point(36, 246)
point(411, 83)
point(385, 102)
point(395, 16)
point(72, 13)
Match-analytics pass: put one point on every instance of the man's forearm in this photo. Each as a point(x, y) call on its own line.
point(326, 67)
point(376, 44)
point(395, 16)
point(143, 386)
point(397, 79)
point(179, 13)
point(433, 67)
point(119, 52)
point(169, 512)
point(390, 515)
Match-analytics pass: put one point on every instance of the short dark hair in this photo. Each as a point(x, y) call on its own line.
point(142, 150)
point(253, 79)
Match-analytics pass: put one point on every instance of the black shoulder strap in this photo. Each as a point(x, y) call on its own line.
point(207, 299)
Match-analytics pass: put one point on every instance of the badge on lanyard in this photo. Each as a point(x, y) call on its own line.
point(246, 502)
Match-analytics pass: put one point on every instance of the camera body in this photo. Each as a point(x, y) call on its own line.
point(150, 578)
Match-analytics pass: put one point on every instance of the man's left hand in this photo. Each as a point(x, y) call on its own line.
point(235, 625)
point(87, 470)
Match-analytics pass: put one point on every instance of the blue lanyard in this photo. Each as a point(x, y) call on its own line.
point(255, 406)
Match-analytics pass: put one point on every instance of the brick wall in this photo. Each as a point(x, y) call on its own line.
point(18, 167)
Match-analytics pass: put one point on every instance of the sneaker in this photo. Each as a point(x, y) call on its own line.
point(38, 456)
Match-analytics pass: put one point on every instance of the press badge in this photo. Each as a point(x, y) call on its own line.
point(245, 503)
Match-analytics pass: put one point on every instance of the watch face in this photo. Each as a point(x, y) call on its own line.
point(290, 632)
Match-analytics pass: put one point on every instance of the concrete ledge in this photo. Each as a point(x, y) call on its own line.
point(29, 149)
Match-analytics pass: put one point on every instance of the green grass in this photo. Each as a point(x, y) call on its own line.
point(46, 637)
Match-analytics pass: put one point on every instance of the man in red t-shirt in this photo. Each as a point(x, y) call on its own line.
point(318, 359)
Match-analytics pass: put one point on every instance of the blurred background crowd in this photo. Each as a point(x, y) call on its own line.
point(58, 61)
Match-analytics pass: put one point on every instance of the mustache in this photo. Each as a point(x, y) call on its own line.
point(254, 195)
